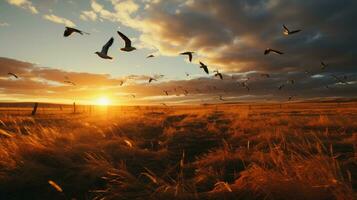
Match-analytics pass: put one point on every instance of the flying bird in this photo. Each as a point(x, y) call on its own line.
point(104, 53)
point(150, 56)
point(221, 98)
point(166, 92)
point(204, 67)
point(12, 74)
point(127, 41)
point(187, 74)
point(288, 32)
point(323, 65)
point(268, 50)
point(121, 83)
point(339, 79)
point(189, 54)
point(69, 82)
point(152, 79)
point(281, 87)
point(68, 31)
point(218, 74)
point(185, 92)
point(290, 98)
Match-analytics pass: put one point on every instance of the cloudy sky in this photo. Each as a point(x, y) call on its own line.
point(227, 35)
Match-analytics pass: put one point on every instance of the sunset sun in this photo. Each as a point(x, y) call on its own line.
point(103, 101)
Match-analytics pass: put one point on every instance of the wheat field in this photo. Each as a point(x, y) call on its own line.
point(303, 150)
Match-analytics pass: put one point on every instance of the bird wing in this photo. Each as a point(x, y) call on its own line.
point(125, 38)
point(278, 52)
point(107, 46)
point(206, 69)
point(190, 57)
point(14, 75)
point(286, 28)
point(295, 31)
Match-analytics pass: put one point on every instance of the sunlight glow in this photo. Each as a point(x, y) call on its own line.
point(103, 101)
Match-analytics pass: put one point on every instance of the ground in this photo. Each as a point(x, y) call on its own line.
point(304, 150)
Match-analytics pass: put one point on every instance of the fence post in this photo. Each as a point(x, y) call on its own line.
point(34, 110)
point(74, 107)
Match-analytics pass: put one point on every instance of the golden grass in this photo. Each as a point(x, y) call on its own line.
point(297, 151)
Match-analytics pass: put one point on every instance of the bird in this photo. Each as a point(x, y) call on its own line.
point(187, 74)
point(323, 65)
point(133, 95)
point(189, 54)
point(265, 75)
point(185, 92)
point(104, 53)
point(288, 32)
point(245, 85)
point(151, 79)
point(339, 79)
point(218, 74)
point(121, 83)
point(150, 56)
point(204, 67)
point(127, 41)
point(221, 98)
point(166, 92)
point(290, 98)
point(12, 74)
point(164, 104)
point(69, 82)
point(68, 31)
point(281, 87)
point(268, 50)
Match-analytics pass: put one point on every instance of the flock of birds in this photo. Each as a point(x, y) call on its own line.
point(128, 48)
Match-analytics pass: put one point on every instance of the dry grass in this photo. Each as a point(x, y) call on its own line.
point(297, 151)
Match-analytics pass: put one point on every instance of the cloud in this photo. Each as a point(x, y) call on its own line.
point(25, 4)
point(59, 20)
point(88, 15)
point(38, 82)
point(4, 24)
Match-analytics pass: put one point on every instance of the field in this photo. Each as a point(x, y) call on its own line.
point(303, 150)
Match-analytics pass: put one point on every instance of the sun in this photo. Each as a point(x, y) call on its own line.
point(103, 101)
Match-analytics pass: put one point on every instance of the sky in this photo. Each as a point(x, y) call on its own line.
point(227, 35)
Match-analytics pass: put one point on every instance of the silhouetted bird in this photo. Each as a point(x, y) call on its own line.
point(12, 74)
point(150, 56)
point(288, 32)
point(104, 53)
point(218, 74)
point(127, 41)
point(204, 67)
point(189, 54)
point(69, 82)
point(151, 79)
point(268, 50)
point(166, 92)
point(68, 31)
point(281, 86)
point(187, 74)
point(121, 83)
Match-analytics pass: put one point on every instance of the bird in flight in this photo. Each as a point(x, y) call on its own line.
point(221, 98)
point(187, 74)
point(68, 31)
point(288, 32)
point(12, 74)
point(121, 83)
point(185, 92)
point(152, 79)
point(218, 74)
point(104, 53)
point(323, 65)
point(290, 98)
point(281, 87)
point(69, 82)
point(268, 50)
point(339, 79)
point(189, 54)
point(204, 67)
point(166, 92)
point(127, 41)
point(150, 56)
